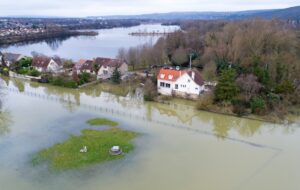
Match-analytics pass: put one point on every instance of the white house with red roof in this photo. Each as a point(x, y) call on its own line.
point(186, 83)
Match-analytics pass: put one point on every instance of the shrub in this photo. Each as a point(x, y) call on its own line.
point(84, 78)
point(150, 91)
point(285, 87)
point(258, 105)
point(34, 73)
point(64, 82)
point(205, 101)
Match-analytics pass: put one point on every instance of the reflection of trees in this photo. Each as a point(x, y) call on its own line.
point(5, 117)
point(5, 121)
point(67, 96)
point(19, 84)
point(222, 124)
point(55, 43)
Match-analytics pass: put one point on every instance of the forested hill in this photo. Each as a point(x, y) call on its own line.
point(292, 13)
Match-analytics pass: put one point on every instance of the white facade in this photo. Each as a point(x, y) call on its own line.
point(107, 71)
point(53, 66)
point(183, 86)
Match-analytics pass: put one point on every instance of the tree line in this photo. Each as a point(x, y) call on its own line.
point(256, 62)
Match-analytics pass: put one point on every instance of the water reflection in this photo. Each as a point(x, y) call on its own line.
point(5, 116)
point(53, 43)
point(97, 97)
point(19, 84)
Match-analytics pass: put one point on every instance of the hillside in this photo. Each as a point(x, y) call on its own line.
point(292, 13)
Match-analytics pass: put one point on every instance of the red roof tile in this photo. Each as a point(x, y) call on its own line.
point(169, 74)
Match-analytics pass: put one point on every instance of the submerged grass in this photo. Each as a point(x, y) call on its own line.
point(67, 155)
point(102, 121)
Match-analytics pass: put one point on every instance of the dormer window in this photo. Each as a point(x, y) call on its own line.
point(170, 77)
point(162, 76)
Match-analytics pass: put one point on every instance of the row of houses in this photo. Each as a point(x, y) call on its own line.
point(186, 83)
point(102, 67)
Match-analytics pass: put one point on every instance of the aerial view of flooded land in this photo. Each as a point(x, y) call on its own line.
point(149, 95)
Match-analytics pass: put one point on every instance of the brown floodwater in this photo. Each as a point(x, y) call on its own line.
point(180, 148)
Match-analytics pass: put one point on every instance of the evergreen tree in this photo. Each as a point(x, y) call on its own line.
point(226, 88)
point(116, 76)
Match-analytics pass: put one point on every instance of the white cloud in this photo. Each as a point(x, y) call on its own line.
point(80, 8)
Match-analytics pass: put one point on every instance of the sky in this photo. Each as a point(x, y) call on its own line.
point(82, 8)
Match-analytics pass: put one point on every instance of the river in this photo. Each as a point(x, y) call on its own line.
point(180, 148)
point(105, 44)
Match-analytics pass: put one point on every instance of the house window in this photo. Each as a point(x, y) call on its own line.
point(162, 76)
point(189, 80)
point(168, 85)
point(176, 86)
point(170, 77)
point(105, 72)
point(162, 84)
point(196, 88)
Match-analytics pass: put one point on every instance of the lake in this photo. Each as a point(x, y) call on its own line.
point(180, 148)
point(105, 44)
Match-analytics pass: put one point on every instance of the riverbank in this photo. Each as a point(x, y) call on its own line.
point(272, 117)
point(50, 34)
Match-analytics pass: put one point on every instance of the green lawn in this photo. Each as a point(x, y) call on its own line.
point(67, 155)
point(101, 122)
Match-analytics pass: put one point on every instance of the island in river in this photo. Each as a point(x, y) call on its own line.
point(97, 145)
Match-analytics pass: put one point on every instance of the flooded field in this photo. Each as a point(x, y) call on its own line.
point(179, 148)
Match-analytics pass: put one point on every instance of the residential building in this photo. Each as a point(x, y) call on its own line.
point(11, 58)
point(47, 64)
point(107, 67)
point(186, 83)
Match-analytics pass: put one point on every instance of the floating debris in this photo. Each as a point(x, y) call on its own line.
point(115, 150)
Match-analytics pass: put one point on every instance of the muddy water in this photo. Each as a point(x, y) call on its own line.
point(180, 148)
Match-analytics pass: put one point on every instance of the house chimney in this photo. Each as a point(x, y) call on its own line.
point(193, 75)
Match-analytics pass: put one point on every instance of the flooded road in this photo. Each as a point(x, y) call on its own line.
point(180, 148)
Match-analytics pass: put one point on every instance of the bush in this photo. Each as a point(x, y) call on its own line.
point(150, 91)
point(258, 105)
point(285, 87)
point(239, 106)
point(4, 71)
point(64, 82)
point(205, 101)
point(84, 78)
point(34, 73)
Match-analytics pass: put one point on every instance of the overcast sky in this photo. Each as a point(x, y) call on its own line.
point(81, 8)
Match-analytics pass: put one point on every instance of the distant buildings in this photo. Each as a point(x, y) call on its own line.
point(184, 83)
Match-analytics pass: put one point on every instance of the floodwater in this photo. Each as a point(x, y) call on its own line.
point(105, 44)
point(179, 148)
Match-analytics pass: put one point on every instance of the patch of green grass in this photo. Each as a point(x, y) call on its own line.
point(66, 155)
point(102, 121)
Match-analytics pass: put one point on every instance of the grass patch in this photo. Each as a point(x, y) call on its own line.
point(102, 121)
point(66, 155)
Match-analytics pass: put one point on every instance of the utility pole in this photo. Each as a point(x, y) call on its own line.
point(191, 61)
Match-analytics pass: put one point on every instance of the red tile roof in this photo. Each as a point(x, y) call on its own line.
point(173, 75)
point(169, 74)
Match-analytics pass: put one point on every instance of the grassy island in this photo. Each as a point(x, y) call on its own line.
point(67, 155)
point(101, 122)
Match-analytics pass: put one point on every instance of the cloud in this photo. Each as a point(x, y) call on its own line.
point(80, 8)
